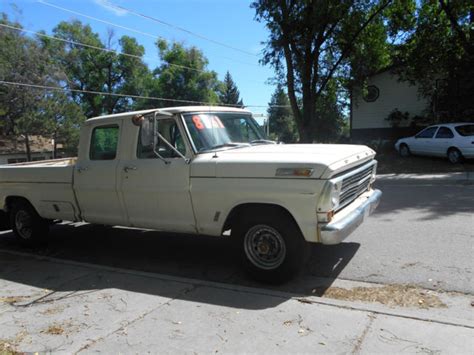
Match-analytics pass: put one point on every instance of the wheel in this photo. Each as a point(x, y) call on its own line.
point(29, 228)
point(404, 151)
point(272, 247)
point(454, 155)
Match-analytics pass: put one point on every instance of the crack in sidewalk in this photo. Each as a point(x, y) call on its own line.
point(360, 339)
point(127, 323)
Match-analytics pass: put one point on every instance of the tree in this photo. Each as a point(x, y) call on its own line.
point(181, 76)
point(438, 55)
point(280, 118)
point(313, 43)
point(229, 94)
point(22, 60)
point(62, 119)
point(91, 69)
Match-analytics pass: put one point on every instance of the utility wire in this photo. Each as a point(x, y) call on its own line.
point(106, 50)
point(124, 27)
point(136, 13)
point(55, 88)
point(95, 47)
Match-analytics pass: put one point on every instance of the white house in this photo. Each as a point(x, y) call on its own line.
point(13, 150)
point(385, 93)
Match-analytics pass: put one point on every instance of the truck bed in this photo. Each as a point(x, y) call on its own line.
point(47, 185)
point(46, 171)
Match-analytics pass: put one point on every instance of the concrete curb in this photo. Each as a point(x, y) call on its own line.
point(467, 176)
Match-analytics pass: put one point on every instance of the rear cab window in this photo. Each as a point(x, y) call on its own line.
point(104, 143)
point(466, 130)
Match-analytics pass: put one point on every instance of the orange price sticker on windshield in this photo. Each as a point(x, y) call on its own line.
point(198, 123)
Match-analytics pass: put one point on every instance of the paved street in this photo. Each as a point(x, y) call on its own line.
point(122, 290)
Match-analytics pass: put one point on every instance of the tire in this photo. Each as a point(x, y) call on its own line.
point(404, 150)
point(271, 246)
point(29, 228)
point(455, 156)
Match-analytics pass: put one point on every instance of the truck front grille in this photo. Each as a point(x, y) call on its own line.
point(355, 183)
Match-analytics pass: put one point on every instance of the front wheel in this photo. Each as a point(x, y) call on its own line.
point(272, 247)
point(29, 228)
point(404, 151)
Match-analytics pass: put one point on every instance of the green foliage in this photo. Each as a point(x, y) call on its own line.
point(172, 80)
point(396, 118)
point(438, 54)
point(228, 93)
point(282, 125)
point(91, 69)
point(317, 44)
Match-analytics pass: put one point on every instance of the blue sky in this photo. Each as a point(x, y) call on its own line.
point(227, 21)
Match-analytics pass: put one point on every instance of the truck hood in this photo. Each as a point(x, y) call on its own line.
point(261, 161)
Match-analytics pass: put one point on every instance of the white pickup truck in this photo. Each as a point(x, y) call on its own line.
point(198, 170)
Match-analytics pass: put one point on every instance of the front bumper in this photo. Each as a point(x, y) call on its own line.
point(338, 230)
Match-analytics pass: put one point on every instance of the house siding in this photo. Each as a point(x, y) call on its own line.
point(393, 94)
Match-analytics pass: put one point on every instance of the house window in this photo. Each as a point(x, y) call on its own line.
point(373, 93)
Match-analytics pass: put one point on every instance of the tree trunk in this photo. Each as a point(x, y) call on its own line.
point(28, 149)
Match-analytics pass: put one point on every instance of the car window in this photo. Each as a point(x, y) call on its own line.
point(466, 130)
point(104, 142)
point(170, 131)
point(444, 132)
point(427, 133)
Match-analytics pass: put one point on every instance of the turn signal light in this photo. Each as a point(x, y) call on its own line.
point(305, 172)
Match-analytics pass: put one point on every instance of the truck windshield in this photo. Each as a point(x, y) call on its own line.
point(215, 130)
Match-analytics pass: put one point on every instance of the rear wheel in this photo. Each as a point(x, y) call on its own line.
point(29, 228)
point(271, 246)
point(404, 151)
point(454, 155)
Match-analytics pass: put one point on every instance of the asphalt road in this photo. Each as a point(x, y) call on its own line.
point(422, 234)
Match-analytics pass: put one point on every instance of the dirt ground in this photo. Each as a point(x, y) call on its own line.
point(392, 163)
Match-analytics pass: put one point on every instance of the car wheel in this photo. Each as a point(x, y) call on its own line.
point(272, 247)
point(29, 228)
point(404, 151)
point(454, 156)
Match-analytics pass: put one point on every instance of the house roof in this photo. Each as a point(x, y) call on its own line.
point(16, 145)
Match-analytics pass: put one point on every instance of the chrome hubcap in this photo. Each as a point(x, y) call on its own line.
point(264, 247)
point(23, 224)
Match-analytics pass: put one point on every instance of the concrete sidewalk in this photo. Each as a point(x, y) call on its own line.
point(50, 305)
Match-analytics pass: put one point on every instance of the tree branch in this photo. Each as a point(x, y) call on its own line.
point(349, 46)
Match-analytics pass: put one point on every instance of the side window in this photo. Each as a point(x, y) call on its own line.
point(427, 133)
point(168, 128)
point(104, 142)
point(444, 132)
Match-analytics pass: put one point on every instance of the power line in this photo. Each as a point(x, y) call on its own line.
point(106, 49)
point(136, 13)
point(55, 88)
point(124, 27)
point(95, 47)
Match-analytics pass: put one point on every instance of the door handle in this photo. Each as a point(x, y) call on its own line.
point(128, 168)
point(80, 169)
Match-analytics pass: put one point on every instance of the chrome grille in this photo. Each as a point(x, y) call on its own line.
point(354, 184)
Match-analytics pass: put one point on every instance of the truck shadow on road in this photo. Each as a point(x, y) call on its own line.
point(164, 257)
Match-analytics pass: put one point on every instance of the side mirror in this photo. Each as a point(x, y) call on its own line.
point(146, 132)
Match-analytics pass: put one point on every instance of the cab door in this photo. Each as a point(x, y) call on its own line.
point(156, 189)
point(95, 175)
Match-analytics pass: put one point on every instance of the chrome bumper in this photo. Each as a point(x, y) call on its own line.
point(338, 230)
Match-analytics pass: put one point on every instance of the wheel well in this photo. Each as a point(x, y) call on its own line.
point(11, 200)
point(253, 208)
point(453, 148)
